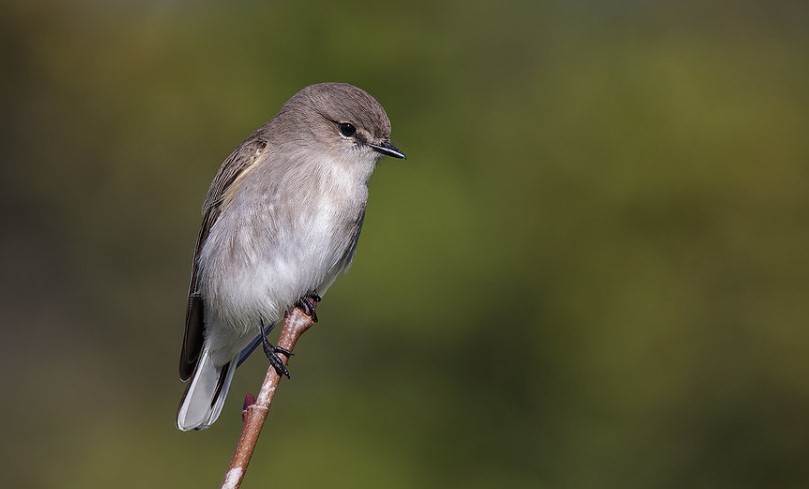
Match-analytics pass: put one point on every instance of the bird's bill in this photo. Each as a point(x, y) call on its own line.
point(388, 149)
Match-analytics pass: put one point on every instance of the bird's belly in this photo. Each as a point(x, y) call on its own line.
point(260, 276)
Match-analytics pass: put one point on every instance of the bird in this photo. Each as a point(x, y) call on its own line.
point(280, 222)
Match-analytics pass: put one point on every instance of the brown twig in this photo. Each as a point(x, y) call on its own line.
point(295, 324)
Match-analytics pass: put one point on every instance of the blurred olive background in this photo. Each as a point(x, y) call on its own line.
point(591, 272)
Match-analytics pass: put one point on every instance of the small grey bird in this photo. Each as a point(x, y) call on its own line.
point(281, 221)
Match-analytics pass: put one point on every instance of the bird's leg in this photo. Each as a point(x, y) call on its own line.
point(308, 303)
point(272, 353)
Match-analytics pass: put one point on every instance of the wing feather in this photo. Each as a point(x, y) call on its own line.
point(234, 167)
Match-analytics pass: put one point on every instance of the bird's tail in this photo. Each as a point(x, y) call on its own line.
point(205, 395)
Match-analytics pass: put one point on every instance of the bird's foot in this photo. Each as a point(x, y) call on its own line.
point(272, 354)
point(309, 303)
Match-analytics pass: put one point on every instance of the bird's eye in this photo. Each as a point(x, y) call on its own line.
point(347, 129)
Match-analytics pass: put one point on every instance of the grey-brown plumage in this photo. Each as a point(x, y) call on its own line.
point(281, 220)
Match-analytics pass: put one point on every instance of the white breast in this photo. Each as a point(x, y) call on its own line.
point(266, 262)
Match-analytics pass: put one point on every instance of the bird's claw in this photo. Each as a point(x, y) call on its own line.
point(272, 354)
point(277, 363)
point(309, 303)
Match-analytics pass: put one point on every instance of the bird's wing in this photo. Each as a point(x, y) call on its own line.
point(348, 257)
point(234, 167)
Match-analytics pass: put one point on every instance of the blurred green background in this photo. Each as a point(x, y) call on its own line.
point(591, 272)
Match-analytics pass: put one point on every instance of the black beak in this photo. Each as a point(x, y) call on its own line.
point(387, 148)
